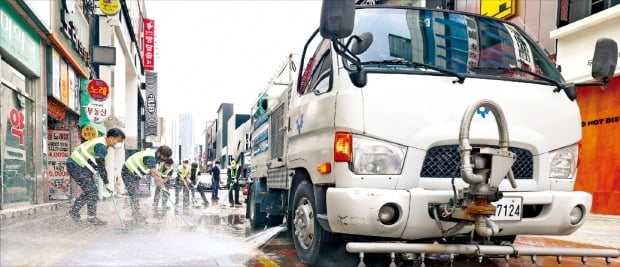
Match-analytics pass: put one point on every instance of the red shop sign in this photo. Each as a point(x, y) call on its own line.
point(55, 109)
point(98, 90)
point(148, 46)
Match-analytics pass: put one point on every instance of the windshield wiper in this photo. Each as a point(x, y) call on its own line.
point(558, 85)
point(404, 62)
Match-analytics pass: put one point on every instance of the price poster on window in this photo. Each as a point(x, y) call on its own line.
point(58, 152)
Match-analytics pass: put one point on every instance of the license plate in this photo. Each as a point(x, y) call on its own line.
point(508, 209)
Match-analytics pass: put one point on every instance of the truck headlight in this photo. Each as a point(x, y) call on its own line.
point(563, 162)
point(372, 156)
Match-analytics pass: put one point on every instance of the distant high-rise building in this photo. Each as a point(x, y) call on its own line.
point(186, 135)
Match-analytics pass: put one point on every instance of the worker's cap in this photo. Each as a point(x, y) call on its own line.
point(233, 163)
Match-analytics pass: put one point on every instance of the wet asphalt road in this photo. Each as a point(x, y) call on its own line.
point(217, 235)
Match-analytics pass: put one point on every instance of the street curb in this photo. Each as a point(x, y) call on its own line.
point(29, 210)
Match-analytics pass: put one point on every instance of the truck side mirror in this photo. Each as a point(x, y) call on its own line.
point(359, 78)
point(605, 59)
point(337, 17)
point(361, 43)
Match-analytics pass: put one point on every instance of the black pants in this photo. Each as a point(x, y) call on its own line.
point(132, 182)
point(233, 188)
point(84, 178)
point(180, 186)
point(202, 189)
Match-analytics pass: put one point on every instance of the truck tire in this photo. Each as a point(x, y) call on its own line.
point(257, 218)
point(309, 238)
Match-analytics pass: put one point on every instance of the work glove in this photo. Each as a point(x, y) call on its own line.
point(110, 188)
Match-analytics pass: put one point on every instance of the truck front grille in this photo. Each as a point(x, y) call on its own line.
point(444, 162)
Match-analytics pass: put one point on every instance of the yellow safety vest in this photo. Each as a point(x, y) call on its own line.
point(86, 151)
point(163, 170)
point(234, 172)
point(135, 163)
point(183, 172)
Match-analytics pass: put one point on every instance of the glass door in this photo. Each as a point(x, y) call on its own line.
point(16, 145)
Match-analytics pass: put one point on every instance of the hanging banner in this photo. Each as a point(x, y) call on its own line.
point(150, 123)
point(58, 151)
point(148, 47)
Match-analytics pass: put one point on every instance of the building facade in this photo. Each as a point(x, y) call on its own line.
point(224, 112)
point(186, 135)
point(580, 26)
point(51, 52)
point(23, 106)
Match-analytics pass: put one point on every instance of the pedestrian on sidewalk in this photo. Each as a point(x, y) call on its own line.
point(165, 168)
point(215, 180)
point(85, 161)
point(182, 184)
point(138, 165)
point(233, 183)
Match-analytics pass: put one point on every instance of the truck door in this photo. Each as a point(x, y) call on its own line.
point(312, 109)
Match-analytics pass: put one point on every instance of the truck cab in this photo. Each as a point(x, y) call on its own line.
point(367, 138)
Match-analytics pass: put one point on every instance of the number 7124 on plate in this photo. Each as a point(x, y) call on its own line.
point(508, 209)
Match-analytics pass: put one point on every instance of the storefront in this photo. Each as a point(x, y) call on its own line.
point(20, 72)
point(599, 157)
point(67, 72)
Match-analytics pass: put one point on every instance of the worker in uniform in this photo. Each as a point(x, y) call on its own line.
point(233, 183)
point(182, 184)
point(85, 161)
point(138, 165)
point(194, 173)
point(165, 168)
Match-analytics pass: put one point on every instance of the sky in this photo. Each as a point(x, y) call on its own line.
point(211, 52)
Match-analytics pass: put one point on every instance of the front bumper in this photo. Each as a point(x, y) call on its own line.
point(355, 211)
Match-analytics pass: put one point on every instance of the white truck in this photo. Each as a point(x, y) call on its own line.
point(401, 124)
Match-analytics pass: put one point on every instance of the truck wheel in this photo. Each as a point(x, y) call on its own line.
point(257, 218)
point(309, 238)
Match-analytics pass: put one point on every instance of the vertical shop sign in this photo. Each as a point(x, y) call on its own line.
point(149, 44)
point(71, 81)
point(64, 82)
point(58, 152)
point(55, 74)
point(151, 104)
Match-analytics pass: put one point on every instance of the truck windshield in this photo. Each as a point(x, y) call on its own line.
point(456, 43)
